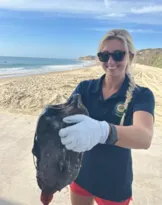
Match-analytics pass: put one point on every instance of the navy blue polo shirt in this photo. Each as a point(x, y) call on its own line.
point(106, 170)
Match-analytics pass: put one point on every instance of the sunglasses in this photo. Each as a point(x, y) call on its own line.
point(116, 56)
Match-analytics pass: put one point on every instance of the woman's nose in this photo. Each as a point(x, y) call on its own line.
point(111, 61)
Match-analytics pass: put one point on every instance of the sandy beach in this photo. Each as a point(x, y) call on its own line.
point(21, 101)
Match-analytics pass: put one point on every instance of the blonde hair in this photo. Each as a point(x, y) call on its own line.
point(126, 38)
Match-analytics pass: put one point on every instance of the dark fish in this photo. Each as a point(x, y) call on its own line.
point(56, 167)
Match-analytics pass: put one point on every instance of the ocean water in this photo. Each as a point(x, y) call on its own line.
point(21, 66)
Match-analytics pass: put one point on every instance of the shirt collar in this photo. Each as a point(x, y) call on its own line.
point(97, 86)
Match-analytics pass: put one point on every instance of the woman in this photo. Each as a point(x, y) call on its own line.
point(121, 116)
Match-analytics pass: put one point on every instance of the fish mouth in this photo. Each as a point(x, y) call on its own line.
point(46, 185)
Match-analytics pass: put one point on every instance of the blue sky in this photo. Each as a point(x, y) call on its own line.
point(73, 28)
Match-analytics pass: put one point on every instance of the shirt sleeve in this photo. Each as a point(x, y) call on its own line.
point(145, 101)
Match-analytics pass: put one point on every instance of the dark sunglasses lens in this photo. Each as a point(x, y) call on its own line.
point(118, 56)
point(103, 57)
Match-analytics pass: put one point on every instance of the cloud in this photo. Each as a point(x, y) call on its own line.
point(71, 6)
point(147, 12)
point(144, 31)
point(111, 15)
point(147, 9)
point(104, 29)
point(83, 6)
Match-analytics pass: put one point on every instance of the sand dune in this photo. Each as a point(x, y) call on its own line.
point(22, 99)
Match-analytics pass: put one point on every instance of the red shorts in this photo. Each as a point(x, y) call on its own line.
point(78, 190)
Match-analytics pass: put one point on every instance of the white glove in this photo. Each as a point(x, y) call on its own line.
point(85, 134)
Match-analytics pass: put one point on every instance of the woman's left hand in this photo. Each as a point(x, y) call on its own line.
point(85, 134)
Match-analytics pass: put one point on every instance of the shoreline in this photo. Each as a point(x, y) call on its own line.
point(5, 79)
point(42, 69)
